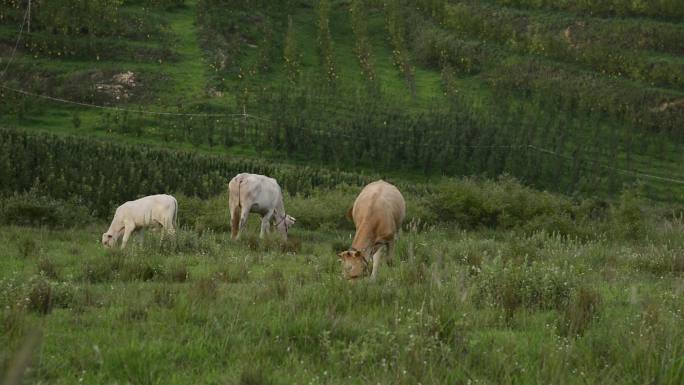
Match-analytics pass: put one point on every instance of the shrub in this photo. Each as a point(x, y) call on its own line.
point(531, 286)
point(43, 295)
point(473, 203)
point(48, 268)
point(204, 214)
point(103, 269)
point(32, 209)
point(27, 247)
point(40, 295)
point(323, 209)
point(628, 216)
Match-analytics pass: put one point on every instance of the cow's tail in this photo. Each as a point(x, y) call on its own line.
point(234, 203)
point(175, 214)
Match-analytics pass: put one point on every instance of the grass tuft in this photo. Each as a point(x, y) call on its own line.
point(583, 309)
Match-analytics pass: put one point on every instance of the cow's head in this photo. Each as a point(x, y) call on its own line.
point(284, 224)
point(108, 240)
point(354, 264)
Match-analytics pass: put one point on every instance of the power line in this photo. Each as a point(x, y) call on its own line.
point(621, 170)
point(16, 43)
point(121, 109)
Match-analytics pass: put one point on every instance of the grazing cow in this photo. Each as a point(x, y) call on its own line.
point(150, 211)
point(253, 193)
point(377, 213)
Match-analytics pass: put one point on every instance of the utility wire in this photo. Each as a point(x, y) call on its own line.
point(621, 170)
point(121, 109)
point(16, 43)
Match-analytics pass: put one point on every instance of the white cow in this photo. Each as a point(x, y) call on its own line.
point(253, 193)
point(150, 211)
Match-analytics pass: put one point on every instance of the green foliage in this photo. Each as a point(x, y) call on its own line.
point(33, 209)
point(397, 31)
point(323, 209)
point(165, 4)
point(505, 203)
point(529, 286)
point(76, 17)
point(292, 54)
point(583, 309)
point(629, 216)
point(429, 318)
point(665, 9)
point(564, 88)
point(53, 165)
point(325, 42)
point(358, 10)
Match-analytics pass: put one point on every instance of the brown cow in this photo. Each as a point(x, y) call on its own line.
point(377, 213)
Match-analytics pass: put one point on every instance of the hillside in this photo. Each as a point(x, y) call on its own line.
point(568, 98)
point(537, 144)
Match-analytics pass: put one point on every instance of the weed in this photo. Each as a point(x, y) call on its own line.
point(135, 312)
point(205, 289)
point(102, 269)
point(232, 273)
point(659, 260)
point(291, 246)
point(580, 312)
point(178, 273)
point(532, 286)
point(252, 376)
point(40, 295)
point(141, 271)
point(47, 267)
point(164, 296)
point(27, 247)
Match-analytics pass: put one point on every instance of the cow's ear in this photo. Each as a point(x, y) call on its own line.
point(341, 255)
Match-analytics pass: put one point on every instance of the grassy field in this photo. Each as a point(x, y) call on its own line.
point(489, 306)
point(494, 282)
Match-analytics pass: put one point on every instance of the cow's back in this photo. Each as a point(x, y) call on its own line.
point(379, 210)
point(143, 210)
point(259, 192)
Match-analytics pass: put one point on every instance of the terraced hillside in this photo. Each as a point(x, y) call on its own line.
point(494, 281)
point(567, 97)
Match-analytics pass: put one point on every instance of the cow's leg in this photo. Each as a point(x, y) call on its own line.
point(128, 230)
point(376, 263)
point(243, 221)
point(390, 253)
point(169, 226)
point(266, 224)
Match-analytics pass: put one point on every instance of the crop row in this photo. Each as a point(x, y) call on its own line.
point(661, 9)
point(101, 174)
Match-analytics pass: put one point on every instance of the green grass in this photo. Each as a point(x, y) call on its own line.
point(189, 72)
point(486, 307)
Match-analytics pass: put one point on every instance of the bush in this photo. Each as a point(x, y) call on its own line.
point(505, 203)
point(629, 217)
point(32, 209)
point(530, 286)
point(204, 214)
point(323, 209)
